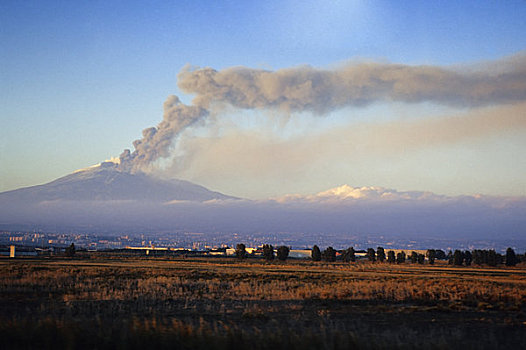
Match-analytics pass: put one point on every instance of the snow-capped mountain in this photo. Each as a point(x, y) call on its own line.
point(104, 198)
point(348, 193)
point(106, 182)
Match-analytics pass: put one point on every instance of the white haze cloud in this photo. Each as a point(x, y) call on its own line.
point(343, 210)
point(321, 91)
point(261, 157)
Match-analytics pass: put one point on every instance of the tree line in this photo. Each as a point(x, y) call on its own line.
point(457, 258)
point(484, 257)
point(282, 252)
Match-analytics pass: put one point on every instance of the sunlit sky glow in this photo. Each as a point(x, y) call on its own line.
point(81, 80)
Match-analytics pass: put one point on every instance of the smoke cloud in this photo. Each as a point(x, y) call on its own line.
point(320, 91)
point(156, 141)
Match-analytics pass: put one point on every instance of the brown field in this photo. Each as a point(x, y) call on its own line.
point(219, 303)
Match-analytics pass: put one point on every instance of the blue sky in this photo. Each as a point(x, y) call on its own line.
point(80, 81)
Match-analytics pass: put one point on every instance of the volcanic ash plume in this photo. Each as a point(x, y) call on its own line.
point(156, 141)
point(320, 91)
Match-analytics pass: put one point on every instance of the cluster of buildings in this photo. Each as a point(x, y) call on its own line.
point(222, 243)
point(209, 251)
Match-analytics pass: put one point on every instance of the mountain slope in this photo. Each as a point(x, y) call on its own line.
point(105, 182)
point(104, 199)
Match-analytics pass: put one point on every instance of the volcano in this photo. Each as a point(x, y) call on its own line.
point(104, 198)
point(105, 182)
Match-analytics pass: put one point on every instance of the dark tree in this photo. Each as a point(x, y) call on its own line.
point(421, 258)
point(283, 252)
point(511, 258)
point(391, 257)
point(468, 257)
point(492, 258)
point(449, 257)
point(458, 258)
point(316, 253)
point(352, 254)
point(478, 257)
point(70, 251)
point(268, 252)
point(414, 257)
point(348, 255)
point(400, 258)
point(371, 255)
point(440, 255)
point(241, 252)
point(380, 254)
point(329, 254)
point(485, 256)
point(431, 255)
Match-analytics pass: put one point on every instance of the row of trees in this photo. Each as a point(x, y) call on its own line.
point(349, 255)
point(477, 256)
point(480, 257)
point(282, 252)
point(458, 258)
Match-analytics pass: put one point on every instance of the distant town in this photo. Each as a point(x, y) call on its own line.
point(32, 242)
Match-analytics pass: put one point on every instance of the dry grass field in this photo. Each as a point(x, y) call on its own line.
point(219, 303)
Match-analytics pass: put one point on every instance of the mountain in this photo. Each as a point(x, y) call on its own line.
point(347, 193)
point(105, 199)
point(105, 182)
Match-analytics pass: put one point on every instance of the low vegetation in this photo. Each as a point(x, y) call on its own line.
point(109, 302)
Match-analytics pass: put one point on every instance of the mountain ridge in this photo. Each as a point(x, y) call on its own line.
point(104, 198)
point(106, 182)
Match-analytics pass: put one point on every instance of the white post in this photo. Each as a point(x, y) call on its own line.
point(12, 251)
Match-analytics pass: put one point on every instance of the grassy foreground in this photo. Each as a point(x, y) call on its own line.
point(109, 303)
